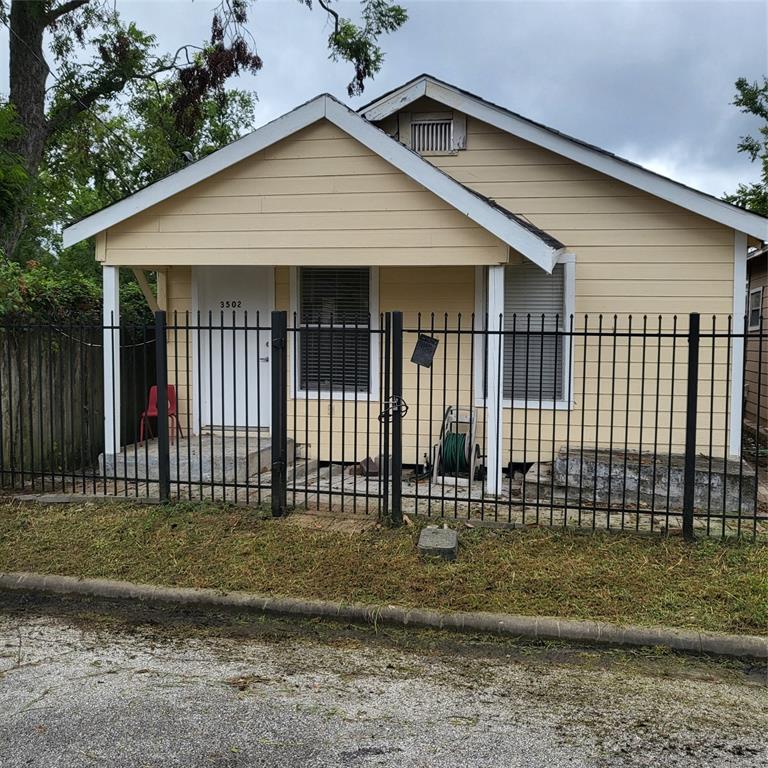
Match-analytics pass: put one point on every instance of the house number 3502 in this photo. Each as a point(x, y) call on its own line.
point(230, 304)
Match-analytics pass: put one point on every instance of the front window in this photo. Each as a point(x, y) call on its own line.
point(536, 349)
point(534, 312)
point(334, 350)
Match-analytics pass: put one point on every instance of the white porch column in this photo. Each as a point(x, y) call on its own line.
point(737, 347)
point(494, 378)
point(111, 336)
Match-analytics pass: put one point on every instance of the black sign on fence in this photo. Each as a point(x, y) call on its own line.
point(424, 351)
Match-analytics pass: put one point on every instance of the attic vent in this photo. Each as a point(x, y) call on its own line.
point(432, 135)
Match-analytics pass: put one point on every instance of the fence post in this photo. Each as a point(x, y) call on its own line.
point(689, 481)
point(386, 465)
point(279, 413)
point(396, 516)
point(163, 452)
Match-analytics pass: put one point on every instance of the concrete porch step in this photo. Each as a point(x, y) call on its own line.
point(205, 457)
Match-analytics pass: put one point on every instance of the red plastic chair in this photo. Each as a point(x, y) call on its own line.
point(151, 413)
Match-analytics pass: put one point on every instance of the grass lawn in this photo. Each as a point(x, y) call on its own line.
point(614, 577)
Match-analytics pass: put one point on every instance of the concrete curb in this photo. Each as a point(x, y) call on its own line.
point(531, 627)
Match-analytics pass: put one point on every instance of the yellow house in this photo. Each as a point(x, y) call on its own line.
point(462, 215)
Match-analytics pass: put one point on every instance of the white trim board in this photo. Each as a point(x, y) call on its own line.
point(737, 347)
point(564, 403)
point(567, 146)
point(488, 216)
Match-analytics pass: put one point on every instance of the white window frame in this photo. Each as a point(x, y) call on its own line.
point(754, 292)
point(568, 260)
point(297, 392)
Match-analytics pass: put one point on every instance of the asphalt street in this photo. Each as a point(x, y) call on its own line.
point(77, 693)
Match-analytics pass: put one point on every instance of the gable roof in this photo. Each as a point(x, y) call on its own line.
point(577, 150)
point(532, 242)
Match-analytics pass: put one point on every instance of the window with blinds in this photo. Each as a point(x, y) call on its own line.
point(533, 356)
point(432, 135)
point(334, 349)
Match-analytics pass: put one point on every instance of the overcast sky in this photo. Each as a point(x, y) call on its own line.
point(649, 80)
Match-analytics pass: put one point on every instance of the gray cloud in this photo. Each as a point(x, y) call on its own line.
point(652, 81)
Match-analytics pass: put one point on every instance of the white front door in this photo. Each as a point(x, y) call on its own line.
point(234, 372)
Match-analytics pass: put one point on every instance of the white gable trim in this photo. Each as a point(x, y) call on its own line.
point(622, 170)
point(474, 207)
point(395, 101)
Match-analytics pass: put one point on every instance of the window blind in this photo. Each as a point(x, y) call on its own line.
point(334, 347)
point(533, 308)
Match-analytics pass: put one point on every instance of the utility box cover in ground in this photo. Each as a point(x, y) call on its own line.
point(438, 542)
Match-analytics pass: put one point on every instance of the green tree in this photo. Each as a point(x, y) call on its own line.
point(752, 98)
point(101, 157)
point(122, 55)
point(108, 152)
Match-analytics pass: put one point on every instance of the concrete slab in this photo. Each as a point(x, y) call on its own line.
point(438, 542)
point(654, 479)
point(207, 458)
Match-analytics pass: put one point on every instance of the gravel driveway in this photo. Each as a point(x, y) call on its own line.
point(74, 693)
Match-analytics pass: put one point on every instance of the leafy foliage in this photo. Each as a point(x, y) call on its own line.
point(117, 115)
point(108, 153)
point(359, 44)
point(101, 157)
point(37, 292)
point(752, 98)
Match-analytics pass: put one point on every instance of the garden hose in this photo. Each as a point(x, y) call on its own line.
point(454, 454)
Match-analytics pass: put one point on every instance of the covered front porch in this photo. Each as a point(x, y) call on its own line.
point(219, 357)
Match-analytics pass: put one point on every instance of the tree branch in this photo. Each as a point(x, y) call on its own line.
point(100, 90)
point(63, 9)
point(108, 87)
point(331, 12)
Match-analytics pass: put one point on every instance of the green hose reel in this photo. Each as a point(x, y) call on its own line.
point(454, 454)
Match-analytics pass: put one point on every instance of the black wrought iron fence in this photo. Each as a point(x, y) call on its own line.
point(651, 423)
point(609, 422)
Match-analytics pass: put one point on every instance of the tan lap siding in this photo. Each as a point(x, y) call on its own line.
point(321, 198)
point(180, 340)
point(431, 291)
point(435, 291)
point(318, 197)
point(634, 254)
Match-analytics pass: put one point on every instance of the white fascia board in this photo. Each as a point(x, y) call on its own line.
point(442, 185)
point(396, 101)
point(641, 178)
point(202, 169)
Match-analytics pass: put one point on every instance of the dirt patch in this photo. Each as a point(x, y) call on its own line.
point(339, 523)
